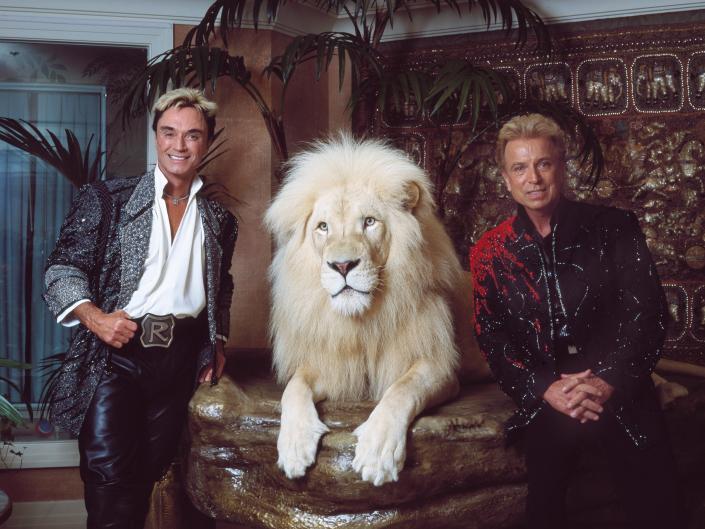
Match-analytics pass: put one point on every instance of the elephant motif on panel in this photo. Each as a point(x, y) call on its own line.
point(696, 80)
point(602, 87)
point(549, 82)
point(657, 83)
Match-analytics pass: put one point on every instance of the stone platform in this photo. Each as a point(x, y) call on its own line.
point(458, 471)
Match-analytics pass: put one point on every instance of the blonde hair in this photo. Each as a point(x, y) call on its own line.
point(529, 126)
point(186, 97)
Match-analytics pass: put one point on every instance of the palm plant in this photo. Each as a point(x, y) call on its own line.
point(78, 165)
point(8, 412)
point(460, 85)
point(10, 416)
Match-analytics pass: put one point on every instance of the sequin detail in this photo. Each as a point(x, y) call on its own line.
point(115, 209)
point(608, 302)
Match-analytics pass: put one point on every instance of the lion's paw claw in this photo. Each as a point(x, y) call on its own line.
point(379, 457)
point(297, 446)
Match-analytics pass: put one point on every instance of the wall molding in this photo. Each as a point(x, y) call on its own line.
point(47, 453)
point(68, 514)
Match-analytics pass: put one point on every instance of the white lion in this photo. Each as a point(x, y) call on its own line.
point(365, 286)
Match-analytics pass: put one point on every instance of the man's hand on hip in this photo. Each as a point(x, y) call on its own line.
point(115, 329)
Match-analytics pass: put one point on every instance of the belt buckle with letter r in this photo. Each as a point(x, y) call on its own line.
point(157, 331)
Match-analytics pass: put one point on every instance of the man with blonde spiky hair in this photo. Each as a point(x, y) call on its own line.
point(142, 267)
point(570, 314)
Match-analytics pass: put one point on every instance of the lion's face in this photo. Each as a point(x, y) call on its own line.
point(351, 237)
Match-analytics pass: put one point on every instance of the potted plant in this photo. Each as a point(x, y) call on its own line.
point(10, 416)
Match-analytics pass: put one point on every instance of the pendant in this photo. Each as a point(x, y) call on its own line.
point(174, 200)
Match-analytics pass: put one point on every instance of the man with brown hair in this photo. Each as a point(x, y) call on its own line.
point(142, 266)
point(571, 315)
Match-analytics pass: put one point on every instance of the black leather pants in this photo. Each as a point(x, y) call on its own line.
point(132, 429)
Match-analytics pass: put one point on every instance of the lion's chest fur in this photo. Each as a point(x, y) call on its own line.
point(357, 358)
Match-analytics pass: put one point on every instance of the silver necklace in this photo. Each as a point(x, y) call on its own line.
point(175, 200)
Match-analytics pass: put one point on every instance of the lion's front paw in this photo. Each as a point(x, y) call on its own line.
point(298, 442)
point(381, 449)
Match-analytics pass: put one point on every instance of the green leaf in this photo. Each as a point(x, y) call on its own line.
point(321, 48)
point(469, 86)
point(181, 66)
point(7, 362)
point(8, 411)
point(341, 67)
point(65, 159)
point(227, 15)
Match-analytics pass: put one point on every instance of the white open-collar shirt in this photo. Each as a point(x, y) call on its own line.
point(172, 280)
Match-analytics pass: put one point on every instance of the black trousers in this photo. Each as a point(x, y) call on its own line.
point(645, 476)
point(133, 426)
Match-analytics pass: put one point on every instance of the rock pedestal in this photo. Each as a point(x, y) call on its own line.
point(458, 471)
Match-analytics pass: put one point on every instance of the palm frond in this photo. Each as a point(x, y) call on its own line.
point(225, 15)
point(322, 48)
point(214, 151)
point(468, 87)
point(509, 14)
point(198, 66)
point(8, 362)
point(12, 385)
point(8, 411)
point(49, 368)
point(394, 90)
point(79, 165)
point(512, 15)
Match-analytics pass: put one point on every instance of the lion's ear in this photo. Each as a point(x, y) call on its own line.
point(412, 194)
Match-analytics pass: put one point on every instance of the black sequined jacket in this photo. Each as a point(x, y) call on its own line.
point(607, 288)
point(99, 256)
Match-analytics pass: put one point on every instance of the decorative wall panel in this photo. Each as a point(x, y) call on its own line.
point(643, 91)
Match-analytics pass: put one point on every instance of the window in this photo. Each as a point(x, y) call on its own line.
point(35, 199)
point(56, 86)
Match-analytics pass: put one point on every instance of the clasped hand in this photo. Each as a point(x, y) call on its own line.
point(580, 396)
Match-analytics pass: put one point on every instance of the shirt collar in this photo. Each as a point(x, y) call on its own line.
point(559, 214)
point(160, 183)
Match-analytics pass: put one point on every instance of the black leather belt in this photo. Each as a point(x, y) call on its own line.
point(159, 331)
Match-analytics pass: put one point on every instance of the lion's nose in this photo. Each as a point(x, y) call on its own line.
point(343, 267)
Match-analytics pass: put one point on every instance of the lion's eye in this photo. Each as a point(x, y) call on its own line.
point(370, 221)
point(322, 226)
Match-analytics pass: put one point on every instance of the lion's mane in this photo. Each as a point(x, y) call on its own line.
point(410, 315)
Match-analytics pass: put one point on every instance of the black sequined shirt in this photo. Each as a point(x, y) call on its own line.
point(607, 303)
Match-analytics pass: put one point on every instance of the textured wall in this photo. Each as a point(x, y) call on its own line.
point(641, 84)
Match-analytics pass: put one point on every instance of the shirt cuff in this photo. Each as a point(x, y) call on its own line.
point(221, 338)
point(540, 382)
point(63, 318)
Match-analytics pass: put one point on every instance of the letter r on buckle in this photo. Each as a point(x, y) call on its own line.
point(157, 331)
